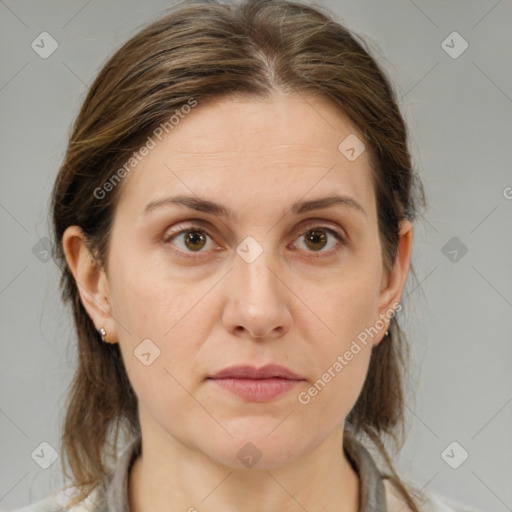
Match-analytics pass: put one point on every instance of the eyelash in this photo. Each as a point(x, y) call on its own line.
point(314, 254)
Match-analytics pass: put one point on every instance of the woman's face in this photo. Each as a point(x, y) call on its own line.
point(267, 276)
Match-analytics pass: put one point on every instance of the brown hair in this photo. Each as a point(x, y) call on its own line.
point(207, 50)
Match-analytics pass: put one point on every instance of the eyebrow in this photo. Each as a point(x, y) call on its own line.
point(205, 206)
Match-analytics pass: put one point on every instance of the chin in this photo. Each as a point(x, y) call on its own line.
point(254, 449)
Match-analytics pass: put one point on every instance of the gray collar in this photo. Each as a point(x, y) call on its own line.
point(373, 496)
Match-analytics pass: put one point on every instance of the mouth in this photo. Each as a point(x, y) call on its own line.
point(256, 385)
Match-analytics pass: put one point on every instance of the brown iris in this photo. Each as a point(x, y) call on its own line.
point(195, 240)
point(316, 239)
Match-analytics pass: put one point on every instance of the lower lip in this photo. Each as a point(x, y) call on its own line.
point(257, 390)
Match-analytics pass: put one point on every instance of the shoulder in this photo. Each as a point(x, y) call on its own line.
point(58, 502)
point(434, 502)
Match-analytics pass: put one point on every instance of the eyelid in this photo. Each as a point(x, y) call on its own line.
point(179, 230)
point(321, 224)
point(340, 237)
point(192, 225)
point(301, 229)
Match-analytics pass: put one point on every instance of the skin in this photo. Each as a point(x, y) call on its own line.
point(298, 304)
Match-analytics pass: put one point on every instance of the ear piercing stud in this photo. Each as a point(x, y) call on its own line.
point(103, 333)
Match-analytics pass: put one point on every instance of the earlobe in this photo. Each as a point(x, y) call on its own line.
point(90, 279)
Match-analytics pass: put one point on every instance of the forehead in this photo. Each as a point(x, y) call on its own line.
point(282, 145)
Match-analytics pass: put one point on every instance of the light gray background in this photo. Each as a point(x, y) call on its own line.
point(458, 320)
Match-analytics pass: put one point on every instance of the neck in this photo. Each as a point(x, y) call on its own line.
point(181, 478)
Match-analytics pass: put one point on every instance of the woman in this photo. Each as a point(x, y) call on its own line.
point(233, 219)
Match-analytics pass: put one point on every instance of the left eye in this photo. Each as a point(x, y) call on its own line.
point(317, 239)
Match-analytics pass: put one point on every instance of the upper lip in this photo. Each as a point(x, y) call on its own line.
point(250, 372)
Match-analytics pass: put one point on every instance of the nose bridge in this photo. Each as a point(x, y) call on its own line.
point(256, 282)
point(257, 302)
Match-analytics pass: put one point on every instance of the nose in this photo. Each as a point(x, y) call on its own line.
point(257, 306)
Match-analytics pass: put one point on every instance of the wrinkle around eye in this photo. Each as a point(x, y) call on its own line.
point(164, 226)
point(338, 237)
point(334, 234)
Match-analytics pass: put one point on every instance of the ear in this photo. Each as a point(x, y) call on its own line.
point(392, 284)
point(91, 281)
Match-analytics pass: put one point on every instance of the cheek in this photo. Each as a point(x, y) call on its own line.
point(160, 320)
point(346, 306)
point(152, 304)
point(341, 367)
point(343, 352)
point(150, 301)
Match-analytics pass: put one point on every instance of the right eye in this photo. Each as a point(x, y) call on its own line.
point(192, 239)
